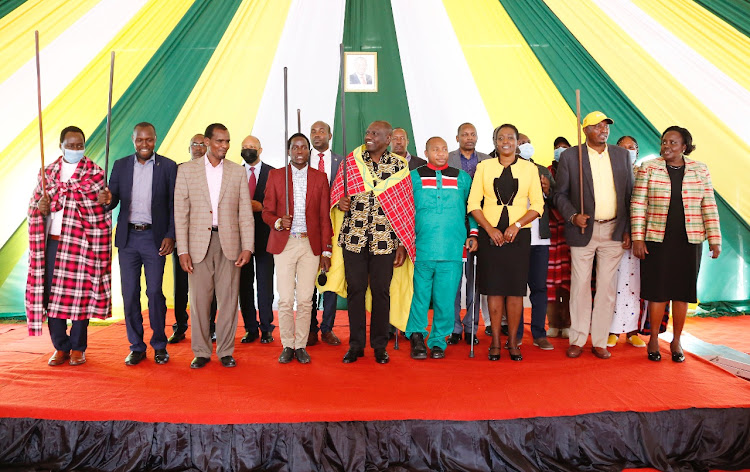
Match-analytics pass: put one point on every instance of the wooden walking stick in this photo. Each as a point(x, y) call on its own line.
point(299, 121)
point(286, 140)
point(343, 113)
point(109, 115)
point(39, 107)
point(580, 150)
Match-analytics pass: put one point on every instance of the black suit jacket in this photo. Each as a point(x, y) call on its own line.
point(262, 230)
point(567, 197)
point(162, 197)
point(415, 162)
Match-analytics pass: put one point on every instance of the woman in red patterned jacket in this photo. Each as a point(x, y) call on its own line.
point(673, 211)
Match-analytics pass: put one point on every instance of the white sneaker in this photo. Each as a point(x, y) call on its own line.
point(553, 332)
point(565, 333)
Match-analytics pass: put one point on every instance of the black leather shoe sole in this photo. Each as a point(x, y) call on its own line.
point(266, 338)
point(135, 358)
point(381, 357)
point(199, 362)
point(352, 356)
point(228, 361)
point(453, 339)
point(161, 356)
point(175, 338)
point(437, 353)
point(302, 356)
point(249, 338)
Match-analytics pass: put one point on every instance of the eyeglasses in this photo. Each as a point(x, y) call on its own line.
point(197, 145)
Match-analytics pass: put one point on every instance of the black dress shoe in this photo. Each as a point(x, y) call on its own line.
point(213, 336)
point(504, 330)
point(437, 353)
point(135, 357)
point(161, 356)
point(381, 356)
point(654, 356)
point(249, 337)
point(266, 337)
point(468, 337)
point(678, 357)
point(228, 361)
point(302, 356)
point(488, 330)
point(418, 349)
point(176, 337)
point(515, 357)
point(494, 357)
point(453, 338)
point(199, 362)
point(352, 355)
point(287, 354)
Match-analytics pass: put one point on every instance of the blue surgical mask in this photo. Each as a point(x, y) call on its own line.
point(526, 150)
point(72, 156)
point(558, 152)
point(633, 156)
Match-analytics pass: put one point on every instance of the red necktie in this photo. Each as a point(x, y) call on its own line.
point(321, 163)
point(252, 182)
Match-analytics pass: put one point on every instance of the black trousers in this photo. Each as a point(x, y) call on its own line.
point(58, 328)
point(260, 270)
point(181, 298)
point(361, 269)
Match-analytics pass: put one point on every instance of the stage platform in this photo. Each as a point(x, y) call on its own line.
point(546, 413)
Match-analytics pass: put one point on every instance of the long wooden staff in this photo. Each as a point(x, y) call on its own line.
point(580, 150)
point(39, 106)
point(343, 114)
point(299, 121)
point(109, 115)
point(286, 139)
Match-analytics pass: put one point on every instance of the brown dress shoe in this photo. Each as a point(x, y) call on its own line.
point(58, 358)
point(330, 338)
point(312, 339)
point(574, 351)
point(77, 357)
point(601, 352)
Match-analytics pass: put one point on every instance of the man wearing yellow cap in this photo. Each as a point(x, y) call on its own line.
point(601, 228)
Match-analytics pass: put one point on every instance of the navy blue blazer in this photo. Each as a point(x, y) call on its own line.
point(262, 230)
point(162, 197)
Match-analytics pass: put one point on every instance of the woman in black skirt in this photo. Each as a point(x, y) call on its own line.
point(673, 211)
point(506, 196)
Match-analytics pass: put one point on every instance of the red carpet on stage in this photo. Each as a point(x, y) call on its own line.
point(545, 383)
point(547, 412)
point(730, 331)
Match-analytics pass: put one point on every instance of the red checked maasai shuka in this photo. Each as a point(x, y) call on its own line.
point(81, 287)
point(396, 199)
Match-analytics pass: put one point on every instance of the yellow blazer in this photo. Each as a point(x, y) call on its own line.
point(193, 217)
point(483, 187)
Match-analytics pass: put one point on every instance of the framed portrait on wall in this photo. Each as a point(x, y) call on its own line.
point(361, 71)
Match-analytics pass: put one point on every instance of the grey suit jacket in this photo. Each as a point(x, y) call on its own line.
point(193, 215)
point(567, 194)
point(454, 158)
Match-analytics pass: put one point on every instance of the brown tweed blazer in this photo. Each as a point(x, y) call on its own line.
point(192, 211)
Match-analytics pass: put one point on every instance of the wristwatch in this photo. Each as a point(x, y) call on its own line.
point(518, 225)
point(327, 254)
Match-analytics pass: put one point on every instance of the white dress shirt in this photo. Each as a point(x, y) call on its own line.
point(327, 160)
point(299, 182)
point(213, 177)
point(56, 218)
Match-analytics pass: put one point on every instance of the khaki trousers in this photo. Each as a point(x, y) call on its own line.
point(214, 272)
point(296, 269)
point(582, 318)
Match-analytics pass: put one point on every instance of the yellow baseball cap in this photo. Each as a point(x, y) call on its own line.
point(594, 118)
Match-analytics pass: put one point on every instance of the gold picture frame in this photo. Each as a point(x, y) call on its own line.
point(361, 72)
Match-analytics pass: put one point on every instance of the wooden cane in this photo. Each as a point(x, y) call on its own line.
point(299, 121)
point(580, 150)
point(39, 107)
point(286, 140)
point(343, 114)
point(109, 114)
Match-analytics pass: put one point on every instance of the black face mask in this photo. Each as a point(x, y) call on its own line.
point(249, 155)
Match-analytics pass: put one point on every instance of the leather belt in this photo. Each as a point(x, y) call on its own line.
point(606, 221)
point(298, 235)
point(139, 226)
point(54, 237)
point(215, 229)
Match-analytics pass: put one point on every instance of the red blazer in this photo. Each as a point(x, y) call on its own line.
point(317, 210)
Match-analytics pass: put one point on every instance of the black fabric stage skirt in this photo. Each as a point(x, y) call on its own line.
point(678, 440)
point(504, 270)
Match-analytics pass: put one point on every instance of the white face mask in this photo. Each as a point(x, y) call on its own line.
point(71, 156)
point(526, 150)
point(558, 152)
point(633, 156)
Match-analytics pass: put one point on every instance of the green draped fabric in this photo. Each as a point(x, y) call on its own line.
point(734, 12)
point(368, 27)
point(7, 6)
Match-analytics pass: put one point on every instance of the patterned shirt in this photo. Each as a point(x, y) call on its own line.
point(367, 223)
point(299, 185)
point(469, 165)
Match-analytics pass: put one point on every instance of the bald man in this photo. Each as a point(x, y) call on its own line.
point(260, 268)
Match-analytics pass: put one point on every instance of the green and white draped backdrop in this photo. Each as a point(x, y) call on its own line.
point(182, 64)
